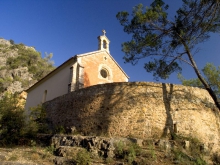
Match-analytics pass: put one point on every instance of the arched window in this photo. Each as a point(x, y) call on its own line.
point(45, 96)
point(104, 44)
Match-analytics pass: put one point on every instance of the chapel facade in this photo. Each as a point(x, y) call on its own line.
point(80, 71)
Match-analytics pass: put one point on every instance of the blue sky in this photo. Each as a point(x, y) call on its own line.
point(69, 27)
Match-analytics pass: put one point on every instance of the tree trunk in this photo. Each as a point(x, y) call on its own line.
point(206, 85)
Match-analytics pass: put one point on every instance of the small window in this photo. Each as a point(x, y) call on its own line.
point(104, 44)
point(44, 96)
point(175, 127)
point(104, 73)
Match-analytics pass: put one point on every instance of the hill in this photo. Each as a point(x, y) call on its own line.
point(21, 66)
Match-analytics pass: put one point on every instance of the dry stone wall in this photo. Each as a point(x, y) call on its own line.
point(140, 110)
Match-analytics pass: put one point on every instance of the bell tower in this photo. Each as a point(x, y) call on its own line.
point(103, 42)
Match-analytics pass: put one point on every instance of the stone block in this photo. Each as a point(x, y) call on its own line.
point(186, 144)
point(164, 145)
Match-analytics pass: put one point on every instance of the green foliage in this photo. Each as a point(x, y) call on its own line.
point(13, 126)
point(191, 82)
point(50, 149)
point(4, 81)
point(24, 82)
point(37, 121)
point(127, 151)
point(194, 155)
point(179, 155)
point(12, 42)
point(60, 130)
point(161, 68)
point(28, 57)
point(182, 158)
point(109, 160)
point(152, 152)
point(131, 155)
point(119, 148)
point(200, 161)
point(212, 76)
point(83, 157)
point(37, 113)
point(12, 121)
point(19, 55)
point(164, 42)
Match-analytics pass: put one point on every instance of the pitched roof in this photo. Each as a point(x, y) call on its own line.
point(49, 74)
point(74, 58)
point(90, 53)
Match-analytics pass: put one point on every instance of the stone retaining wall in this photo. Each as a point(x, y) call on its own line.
point(139, 110)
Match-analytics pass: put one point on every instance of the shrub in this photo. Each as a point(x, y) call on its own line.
point(50, 149)
point(200, 161)
point(119, 149)
point(194, 154)
point(60, 130)
point(127, 151)
point(12, 120)
point(38, 121)
point(11, 42)
point(83, 157)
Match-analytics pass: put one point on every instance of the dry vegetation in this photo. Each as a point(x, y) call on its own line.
point(26, 155)
point(131, 154)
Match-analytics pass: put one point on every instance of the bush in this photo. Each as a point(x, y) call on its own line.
point(127, 151)
point(12, 120)
point(12, 42)
point(60, 130)
point(119, 149)
point(83, 157)
point(38, 121)
point(14, 129)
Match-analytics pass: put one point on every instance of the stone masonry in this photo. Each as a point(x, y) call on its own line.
point(139, 110)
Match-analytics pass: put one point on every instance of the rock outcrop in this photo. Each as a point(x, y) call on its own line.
point(98, 146)
point(19, 67)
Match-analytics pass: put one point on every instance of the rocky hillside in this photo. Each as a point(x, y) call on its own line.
point(98, 150)
point(21, 66)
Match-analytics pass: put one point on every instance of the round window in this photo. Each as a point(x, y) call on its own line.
point(104, 73)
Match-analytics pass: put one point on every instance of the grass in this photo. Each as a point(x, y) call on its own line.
point(127, 153)
point(13, 158)
point(28, 155)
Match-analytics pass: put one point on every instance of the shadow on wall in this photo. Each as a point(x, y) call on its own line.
point(189, 111)
point(167, 96)
point(138, 109)
point(92, 111)
point(86, 80)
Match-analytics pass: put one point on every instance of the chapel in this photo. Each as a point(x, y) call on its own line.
point(79, 71)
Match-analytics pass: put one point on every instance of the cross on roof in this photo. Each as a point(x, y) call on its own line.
point(104, 32)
